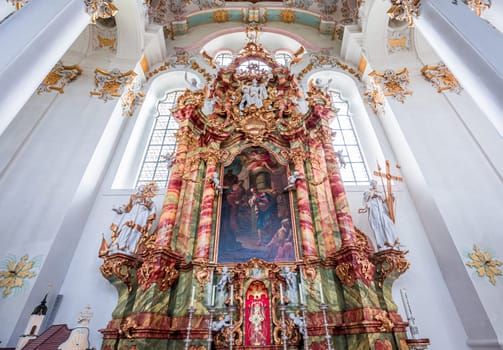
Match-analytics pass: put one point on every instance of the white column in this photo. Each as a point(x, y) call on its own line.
point(33, 39)
point(471, 48)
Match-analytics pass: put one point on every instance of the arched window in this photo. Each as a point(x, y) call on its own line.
point(345, 141)
point(224, 58)
point(253, 66)
point(162, 143)
point(283, 58)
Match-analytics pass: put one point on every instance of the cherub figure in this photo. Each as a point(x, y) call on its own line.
point(298, 321)
point(292, 180)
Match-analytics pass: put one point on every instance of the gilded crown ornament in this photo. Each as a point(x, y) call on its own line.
point(100, 9)
point(404, 10)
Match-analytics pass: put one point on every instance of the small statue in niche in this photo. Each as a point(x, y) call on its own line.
point(215, 179)
point(292, 291)
point(374, 203)
point(134, 220)
point(292, 180)
point(221, 288)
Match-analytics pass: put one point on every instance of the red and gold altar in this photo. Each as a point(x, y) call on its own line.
point(255, 246)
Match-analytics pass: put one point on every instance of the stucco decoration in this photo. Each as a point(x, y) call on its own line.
point(485, 264)
point(14, 272)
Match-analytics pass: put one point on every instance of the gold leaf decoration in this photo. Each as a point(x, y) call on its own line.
point(484, 264)
point(14, 272)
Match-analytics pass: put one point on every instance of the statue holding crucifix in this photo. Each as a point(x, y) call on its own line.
point(380, 209)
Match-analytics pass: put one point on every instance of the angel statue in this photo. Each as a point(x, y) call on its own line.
point(134, 220)
point(374, 203)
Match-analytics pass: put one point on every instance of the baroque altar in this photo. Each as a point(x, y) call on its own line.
point(255, 246)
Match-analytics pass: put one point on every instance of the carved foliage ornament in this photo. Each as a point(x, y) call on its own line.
point(14, 273)
point(477, 6)
point(485, 264)
point(132, 97)
point(100, 9)
point(110, 84)
point(404, 10)
point(441, 77)
point(18, 4)
point(393, 83)
point(58, 77)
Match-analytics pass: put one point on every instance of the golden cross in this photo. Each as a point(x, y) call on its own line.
point(389, 194)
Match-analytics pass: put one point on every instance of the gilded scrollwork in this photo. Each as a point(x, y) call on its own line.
point(386, 322)
point(160, 267)
point(390, 261)
point(121, 266)
point(393, 83)
point(132, 97)
point(404, 10)
point(100, 9)
point(58, 77)
point(442, 78)
point(110, 84)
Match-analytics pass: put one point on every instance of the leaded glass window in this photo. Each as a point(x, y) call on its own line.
point(224, 58)
point(345, 142)
point(162, 143)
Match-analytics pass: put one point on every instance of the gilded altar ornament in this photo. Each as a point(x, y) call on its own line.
point(393, 83)
point(58, 77)
point(18, 4)
point(485, 264)
point(404, 10)
point(391, 262)
point(110, 84)
point(386, 323)
point(132, 97)
point(120, 266)
point(441, 77)
point(100, 9)
point(14, 273)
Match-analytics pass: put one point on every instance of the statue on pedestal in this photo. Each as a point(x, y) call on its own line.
point(374, 203)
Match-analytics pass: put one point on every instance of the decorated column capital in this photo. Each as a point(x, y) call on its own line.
point(393, 83)
point(442, 78)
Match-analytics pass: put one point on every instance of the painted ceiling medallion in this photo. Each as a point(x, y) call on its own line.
point(485, 264)
point(404, 10)
point(441, 77)
point(100, 9)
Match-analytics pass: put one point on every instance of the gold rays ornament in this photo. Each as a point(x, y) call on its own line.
point(485, 264)
point(14, 273)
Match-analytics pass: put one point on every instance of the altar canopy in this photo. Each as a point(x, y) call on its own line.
point(255, 245)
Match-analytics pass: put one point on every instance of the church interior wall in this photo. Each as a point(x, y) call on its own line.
point(447, 148)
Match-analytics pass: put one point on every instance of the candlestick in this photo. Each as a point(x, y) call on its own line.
point(232, 294)
point(301, 294)
point(406, 305)
point(193, 295)
point(281, 294)
point(321, 294)
point(213, 295)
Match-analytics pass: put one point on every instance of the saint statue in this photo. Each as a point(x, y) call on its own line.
point(374, 203)
point(222, 293)
point(292, 291)
point(134, 220)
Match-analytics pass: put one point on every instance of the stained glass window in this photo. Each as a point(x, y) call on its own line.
point(162, 143)
point(345, 141)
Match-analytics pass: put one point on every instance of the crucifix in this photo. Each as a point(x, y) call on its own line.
point(389, 194)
